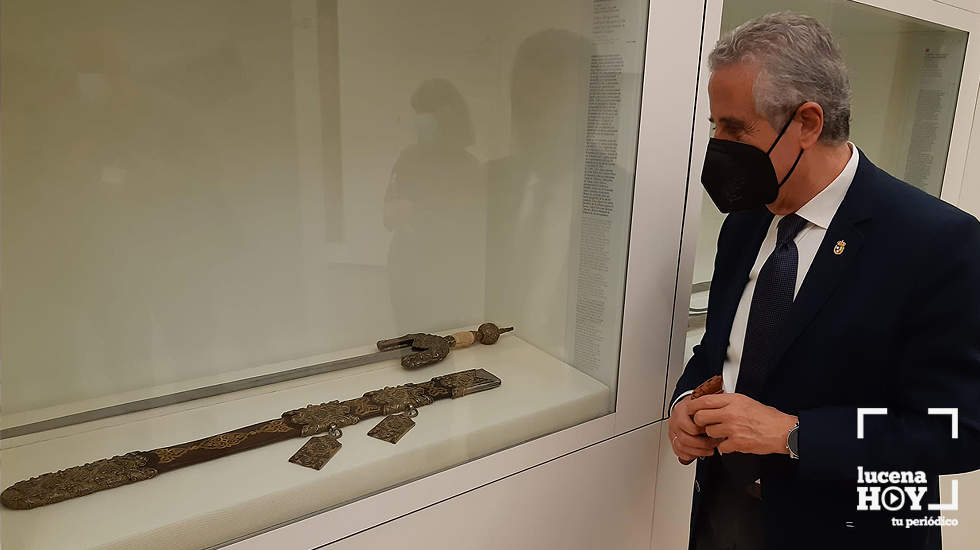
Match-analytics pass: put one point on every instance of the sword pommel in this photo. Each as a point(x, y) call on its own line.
point(467, 382)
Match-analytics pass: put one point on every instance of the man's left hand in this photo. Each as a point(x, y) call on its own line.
point(746, 425)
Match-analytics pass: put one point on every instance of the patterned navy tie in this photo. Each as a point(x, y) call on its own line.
point(771, 303)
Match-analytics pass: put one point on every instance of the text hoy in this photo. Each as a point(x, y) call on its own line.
point(893, 497)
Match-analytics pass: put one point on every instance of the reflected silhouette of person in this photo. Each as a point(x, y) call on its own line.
point(436, 207)
point(535, 193)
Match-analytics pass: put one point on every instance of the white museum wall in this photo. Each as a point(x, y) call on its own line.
point(970, 192)
point(675, 483)
point(972, 5)
point(565, 503)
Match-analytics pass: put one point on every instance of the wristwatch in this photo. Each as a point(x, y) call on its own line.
point(793, 442)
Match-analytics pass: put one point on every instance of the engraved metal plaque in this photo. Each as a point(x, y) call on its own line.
point(316, 452)
point(392, 428)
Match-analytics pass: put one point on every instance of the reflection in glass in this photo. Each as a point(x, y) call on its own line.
point(198, 192)
point(435, 206)
point(533, 202)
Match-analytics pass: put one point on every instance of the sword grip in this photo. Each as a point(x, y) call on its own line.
point(487, 334)
point(464, 339)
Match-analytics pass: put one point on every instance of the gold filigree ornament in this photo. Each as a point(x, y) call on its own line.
point(220, 441)
point(315, 419)
point(397, 399)
point(77, 481)
point(467, 382)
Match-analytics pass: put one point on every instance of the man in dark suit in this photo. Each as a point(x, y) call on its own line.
point(836, 287)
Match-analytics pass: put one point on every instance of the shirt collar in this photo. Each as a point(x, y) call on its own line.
point(820, 209)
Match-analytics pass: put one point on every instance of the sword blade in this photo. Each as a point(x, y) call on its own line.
point(201, 393)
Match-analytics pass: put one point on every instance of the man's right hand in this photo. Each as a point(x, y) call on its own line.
point(687, 438)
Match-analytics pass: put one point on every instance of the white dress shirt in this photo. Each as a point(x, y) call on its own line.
point(819, 211)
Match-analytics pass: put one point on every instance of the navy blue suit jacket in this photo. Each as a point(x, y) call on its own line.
point(893, 321)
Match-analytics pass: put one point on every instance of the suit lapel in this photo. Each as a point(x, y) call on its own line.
point(832, 262)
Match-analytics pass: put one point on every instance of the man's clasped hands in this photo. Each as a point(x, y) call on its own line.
point(730, 422)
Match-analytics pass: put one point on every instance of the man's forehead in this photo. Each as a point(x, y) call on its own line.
point(730, 93)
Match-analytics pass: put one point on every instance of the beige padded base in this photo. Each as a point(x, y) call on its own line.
point(213, 502)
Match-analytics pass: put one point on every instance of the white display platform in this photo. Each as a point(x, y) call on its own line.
point(214, 502)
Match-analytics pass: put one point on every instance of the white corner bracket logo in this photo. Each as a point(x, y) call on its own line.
point(954, 417)
point(864, 411)
point(893, 491)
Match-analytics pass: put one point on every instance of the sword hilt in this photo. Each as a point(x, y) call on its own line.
point(487, 334)
point(430, 348)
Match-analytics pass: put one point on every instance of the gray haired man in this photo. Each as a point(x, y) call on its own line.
point(836, 287)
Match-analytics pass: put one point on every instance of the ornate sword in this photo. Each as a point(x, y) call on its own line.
point(415, 350)
point(399, 404)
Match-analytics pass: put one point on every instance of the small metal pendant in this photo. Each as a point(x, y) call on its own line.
point(316, 452)
point(394, 426)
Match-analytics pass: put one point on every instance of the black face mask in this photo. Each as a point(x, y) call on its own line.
point(739, 176)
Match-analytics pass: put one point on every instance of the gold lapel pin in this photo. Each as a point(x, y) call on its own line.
point(839, 247)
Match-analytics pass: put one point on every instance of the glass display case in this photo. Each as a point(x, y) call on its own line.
point(212, 211)
point(905, 75)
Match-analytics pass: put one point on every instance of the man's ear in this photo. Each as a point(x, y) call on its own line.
point(810, 114)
